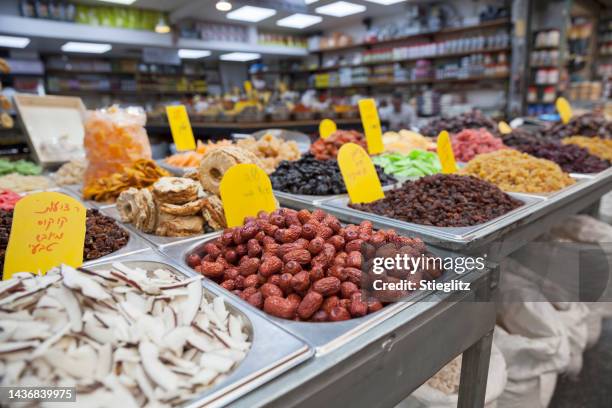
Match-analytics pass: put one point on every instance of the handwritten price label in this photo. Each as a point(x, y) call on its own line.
point(245, 190)
point(371, 125)
point(359, 174)
point(180, 128)
point(445, 153)
point(326, 128)
point(48, 229)
point(564, 108)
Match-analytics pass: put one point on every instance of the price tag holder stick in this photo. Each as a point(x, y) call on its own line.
point(359, 174)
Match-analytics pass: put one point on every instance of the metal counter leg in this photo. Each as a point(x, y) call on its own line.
point(474, 372)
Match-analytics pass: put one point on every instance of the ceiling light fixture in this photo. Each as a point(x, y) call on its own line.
point(162, 27)
point(310, 1)
point(299, 21)
point(251, 14)
point(341, 9)
point(192, 54)
point(386, 2)
point(89, 48)
point(223, 5)
point(13, 42)
point(124, 2)
point(240, 56)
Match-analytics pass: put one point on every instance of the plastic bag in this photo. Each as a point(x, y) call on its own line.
point(427, 396)
point(114, 138)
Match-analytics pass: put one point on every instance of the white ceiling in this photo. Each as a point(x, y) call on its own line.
point(205, 10)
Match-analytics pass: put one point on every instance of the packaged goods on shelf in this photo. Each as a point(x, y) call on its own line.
point(175, 207)
point(469, 143)
point(23, 184)
point(314, 177)
point(103, 235)
point(70, 173)
point(300, 265)
point(161, 339)
point(470, 120)
point(417, 163)
point(427, 201)
point(140, 174)
point(571, 158)
point(518, 172)
point(324, 149)
point(597, 146)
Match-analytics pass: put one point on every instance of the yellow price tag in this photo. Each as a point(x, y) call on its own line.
point(180, 128)
point(371, 125)
point(48, 230)
point(326, 128)
point(248, 87)
point(359, 174)
point(564, 108)
point(504, 128)
point(245, 190)
point(445, 153)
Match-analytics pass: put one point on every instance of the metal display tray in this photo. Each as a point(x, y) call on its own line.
point(301, 201)
point(156, 240)
point(324, 337)
point(273, 350)
point(76, 190)
point(453, 238)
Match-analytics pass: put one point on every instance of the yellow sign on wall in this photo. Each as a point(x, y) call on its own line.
point(245, 190)
point(371, 125)
point(359, 174)
point(180, 128)
point(48, 229)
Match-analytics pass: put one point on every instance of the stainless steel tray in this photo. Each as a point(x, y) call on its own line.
point(135, 245)
point(76, 190)
point(156, 240)
point(323, 337)
point(273, 350)
point(300, 201)
point(454, 238)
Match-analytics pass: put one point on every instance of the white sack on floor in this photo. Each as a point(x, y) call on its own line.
point(429, 395)
point(574, 316)
point(531, 380)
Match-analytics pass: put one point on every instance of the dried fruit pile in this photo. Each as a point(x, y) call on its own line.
point(469, 143)
point(192, 158)
point(8, 199)
point(296, 265)
point(70, 173)
point(103, 235)
point(571, 158)
point(314, 177)
point(597, 146)
point(175, 207)
point(417, 163)
point(471, 120)
point(217, 161)
point(23, 184)
point(519, 172)
point(140, 174)
point(270, 150)
point(324, 149)
point(23, 167)
point(119, 334)
point(443, 201)
point(589, 124)
point(405, 141)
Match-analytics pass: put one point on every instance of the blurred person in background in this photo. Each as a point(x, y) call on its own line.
point(399, 114)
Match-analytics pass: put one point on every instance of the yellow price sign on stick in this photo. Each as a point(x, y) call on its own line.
point(180, 128)
point(359, 174)
point(248, 87)
point(371, 125)
point(326, 128)
point(504, 128)
point(245, 190)
point(445, 153)
point(564, 108)
point(48, 229)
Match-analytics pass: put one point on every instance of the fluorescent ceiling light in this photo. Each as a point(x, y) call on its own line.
point(13, 42)
point(341, 9)
point(125, 2)
point(299, 20)
point(192, 54)
point(223, 6)
point(92, 48)
point(251, 14)
point(240, 56)
point(385, 2)
point(310, 1)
